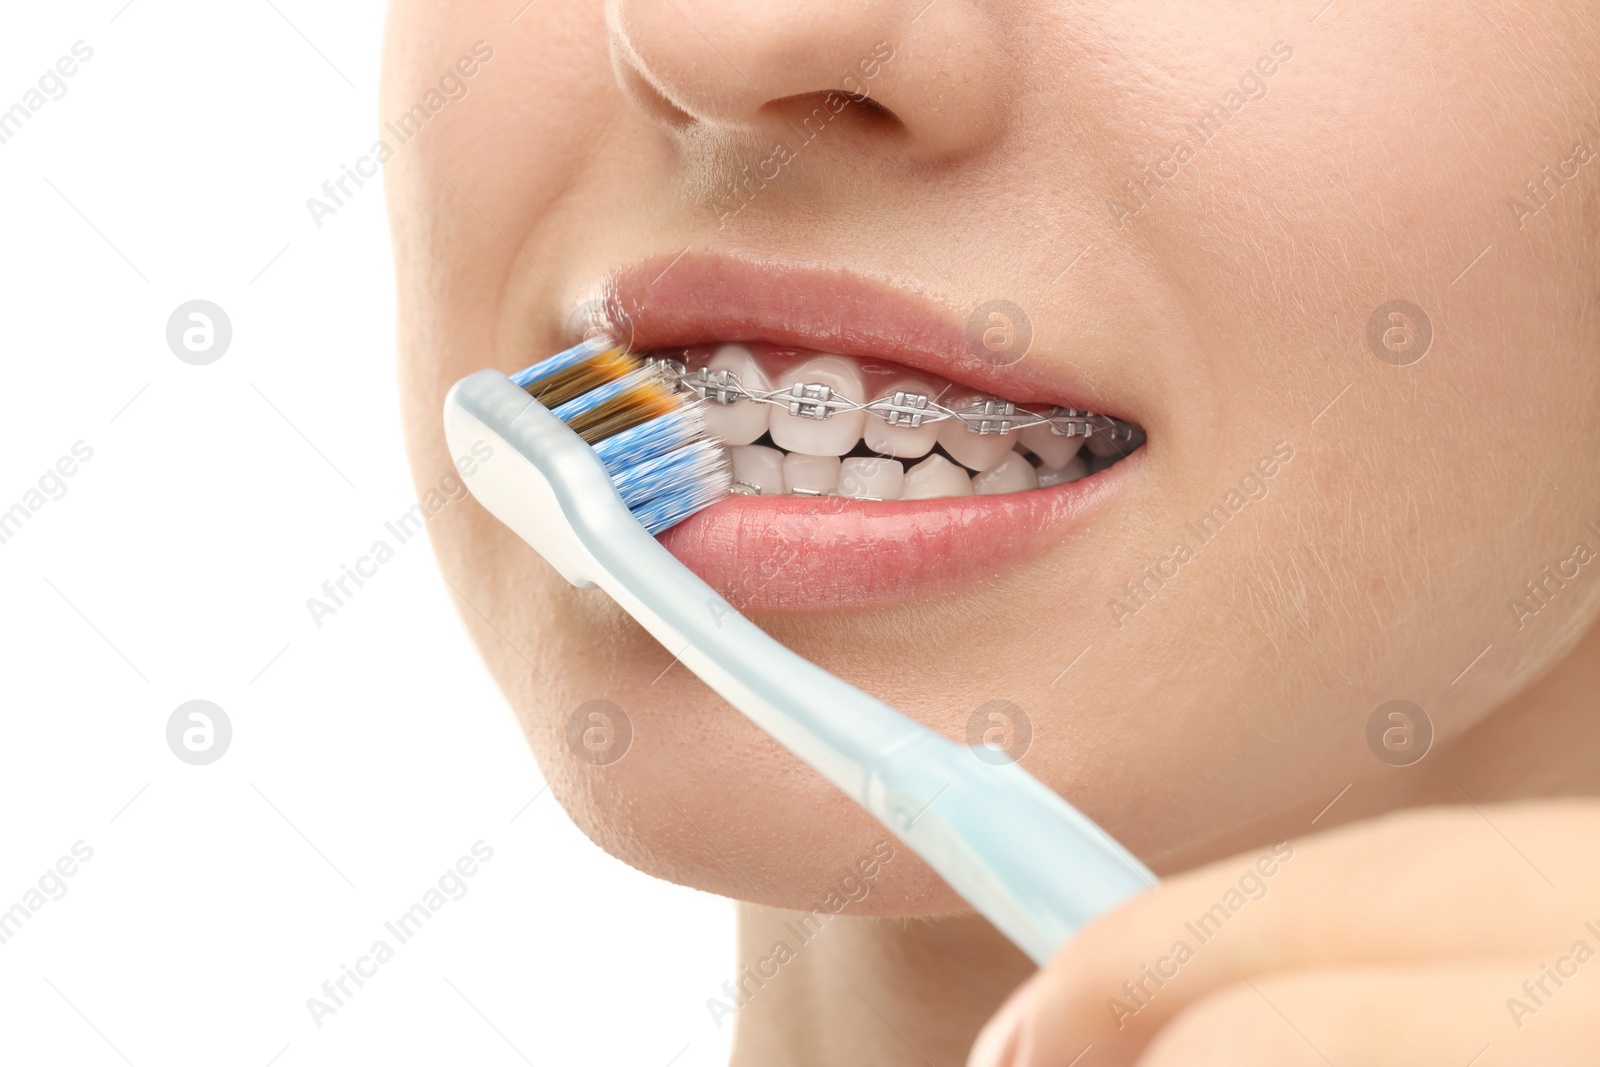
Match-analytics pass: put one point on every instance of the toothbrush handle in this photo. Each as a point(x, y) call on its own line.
point(1026, 859)
point(1034, 865)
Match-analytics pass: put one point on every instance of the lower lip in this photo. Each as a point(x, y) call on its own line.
point(814, 554)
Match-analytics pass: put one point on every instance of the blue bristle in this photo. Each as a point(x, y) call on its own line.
point(667, 488)
point(639, 443)
point(668, 473)
point(696, 486)
point(562, 360)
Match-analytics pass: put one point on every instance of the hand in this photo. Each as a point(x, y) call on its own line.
point(1440, 936)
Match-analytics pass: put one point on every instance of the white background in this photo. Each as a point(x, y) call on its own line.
point(368, 754)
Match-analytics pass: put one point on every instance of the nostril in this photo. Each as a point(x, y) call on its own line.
point(811, 112)
point(877, 112)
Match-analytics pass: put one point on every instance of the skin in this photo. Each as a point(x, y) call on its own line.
point(1228, 313)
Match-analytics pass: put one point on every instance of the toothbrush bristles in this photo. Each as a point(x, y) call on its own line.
point(627, 408)
point(650, 436)
point(564, 385)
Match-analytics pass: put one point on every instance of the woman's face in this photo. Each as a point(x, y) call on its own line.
point(1338, 264)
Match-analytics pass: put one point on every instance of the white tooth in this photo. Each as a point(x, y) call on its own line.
point(834, 435)
point(935, 477)
point(743, 422)
point(1012, 474)
point(814, 474)
point(978, 451)
point(869, 476)
point(759, 467)
point(1052, 448)
point(1100, 444)
point(1075, 468)
point(901, 440)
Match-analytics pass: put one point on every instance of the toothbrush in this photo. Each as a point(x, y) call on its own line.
point(593, 451)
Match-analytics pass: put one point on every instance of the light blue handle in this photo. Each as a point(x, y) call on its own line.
point(1016, 851)
point(1021, 855)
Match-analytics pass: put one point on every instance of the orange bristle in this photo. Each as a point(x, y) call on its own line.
point(579, 378)
point(625, 411)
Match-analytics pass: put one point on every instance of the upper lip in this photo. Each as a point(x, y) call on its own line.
point(704, 298)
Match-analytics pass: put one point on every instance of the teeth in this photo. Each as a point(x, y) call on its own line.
point(935, 477)
point(901, 440)
point(813, 456)
point(811, 475)
point(1076, 468)
point(743, 422)
point(834, 435)
point(759, 468)
point(979, 451)
point(868, 476)
point(1012, 474)
point(1100, 444)
point(1053, 449)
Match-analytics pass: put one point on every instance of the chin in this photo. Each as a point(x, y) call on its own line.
point(704, 799)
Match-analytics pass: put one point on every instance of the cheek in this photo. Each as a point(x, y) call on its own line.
point(1436, 487)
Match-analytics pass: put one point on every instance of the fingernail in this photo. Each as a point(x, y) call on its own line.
point(997, 1041)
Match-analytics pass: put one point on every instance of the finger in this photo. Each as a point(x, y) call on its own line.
point(1407, 889)
point(1390, 1017)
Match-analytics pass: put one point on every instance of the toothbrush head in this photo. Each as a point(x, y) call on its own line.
point(650, 435)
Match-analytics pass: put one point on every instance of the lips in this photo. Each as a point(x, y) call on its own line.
point(698, 299)
point(809, 553)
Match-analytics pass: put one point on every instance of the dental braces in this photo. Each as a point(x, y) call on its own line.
point(813, 400)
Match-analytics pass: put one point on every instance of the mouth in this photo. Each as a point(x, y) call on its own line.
point(882, 451)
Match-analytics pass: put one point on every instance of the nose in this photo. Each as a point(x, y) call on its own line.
point(934, 71)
